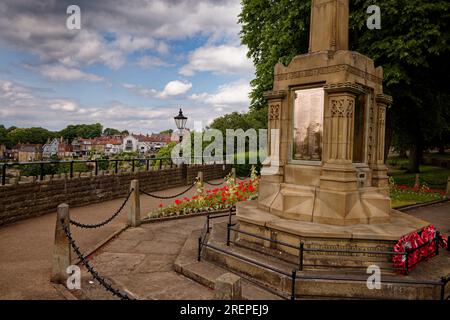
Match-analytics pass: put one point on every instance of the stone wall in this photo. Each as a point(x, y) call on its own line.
point(24, 200)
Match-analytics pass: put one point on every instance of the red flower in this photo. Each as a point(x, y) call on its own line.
point(177, 202)
point(160, 205)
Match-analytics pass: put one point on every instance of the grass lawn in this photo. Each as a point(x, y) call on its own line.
point(433, 177)
point(400, 199)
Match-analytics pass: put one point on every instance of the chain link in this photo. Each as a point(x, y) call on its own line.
point(214, 184)
point(101, 224)
point(101, 280)
point(168, 197)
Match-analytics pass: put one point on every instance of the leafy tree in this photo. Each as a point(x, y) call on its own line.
point(167, 132)
point(29, 135)
point(412, 46)
point(111, 132)
point(87, 131)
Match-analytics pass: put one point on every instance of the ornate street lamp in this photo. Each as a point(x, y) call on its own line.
point(180, 121)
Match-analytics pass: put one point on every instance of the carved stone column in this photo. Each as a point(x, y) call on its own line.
point(338, 171)
point(380, 178)
point(274, 163)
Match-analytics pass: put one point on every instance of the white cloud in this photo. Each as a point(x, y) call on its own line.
point(150, 61)
point(232, 96)
point(171, 89)
point(63, 73)
point(221, 59)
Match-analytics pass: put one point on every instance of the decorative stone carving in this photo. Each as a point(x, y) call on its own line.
point(342, 108)
point(274, 112)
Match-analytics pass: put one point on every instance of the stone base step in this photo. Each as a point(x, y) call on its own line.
point(206, 273)
point(330, 283)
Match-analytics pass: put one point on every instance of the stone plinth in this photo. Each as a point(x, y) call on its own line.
point(368, 237)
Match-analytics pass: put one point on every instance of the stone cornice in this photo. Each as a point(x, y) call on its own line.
point(344, 87)
point(384, 98)
point(270, 95)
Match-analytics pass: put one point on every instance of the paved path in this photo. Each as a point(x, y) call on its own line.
point(26, 246)
point(142, 261)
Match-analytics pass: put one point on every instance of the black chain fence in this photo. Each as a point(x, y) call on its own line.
point(168, 197)
point(101, 280)
point(214, 184)
point(101, 224)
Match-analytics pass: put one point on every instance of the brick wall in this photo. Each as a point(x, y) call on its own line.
point(24, 200)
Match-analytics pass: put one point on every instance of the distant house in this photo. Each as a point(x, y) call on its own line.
point(81, 147)
point(57, 147)
point(144, 143)
point(26, 152)
point(64, 149)
point(50, 148)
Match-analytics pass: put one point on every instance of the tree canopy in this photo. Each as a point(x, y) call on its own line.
point(412, 46)
point(87, 131)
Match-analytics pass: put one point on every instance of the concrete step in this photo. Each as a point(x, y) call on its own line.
point(206, 273)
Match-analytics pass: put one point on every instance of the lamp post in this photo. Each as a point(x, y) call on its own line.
point(180, 121)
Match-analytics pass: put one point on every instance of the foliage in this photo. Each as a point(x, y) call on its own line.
point(210, 200)
point(413, 42)
point(86, 131)
point(434, 177)
point(167, 132)
point(28, 135)
point(111, 132)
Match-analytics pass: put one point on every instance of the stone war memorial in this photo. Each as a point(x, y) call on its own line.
point(324, 185)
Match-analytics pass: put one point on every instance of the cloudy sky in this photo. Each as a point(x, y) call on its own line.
point(131, 66)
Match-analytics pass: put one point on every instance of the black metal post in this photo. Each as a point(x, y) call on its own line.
point(300, 257)
point(294, 277)
point(228, 234)
point(116, 169)
point(448, 243)
point(199, 255)
point(132, 165)
point(3, 174)
point(229, 217)
point(96, 167)
point(71, 169)
point(443, 283)
point(148, 164)
point(407, 261)
point(207, 223)
point(41, 171)
point(171, 163)
point(437, 242)
point(160, 164)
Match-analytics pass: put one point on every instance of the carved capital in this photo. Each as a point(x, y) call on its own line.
point(342, 107)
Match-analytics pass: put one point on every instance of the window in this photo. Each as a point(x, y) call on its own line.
point(308, 124)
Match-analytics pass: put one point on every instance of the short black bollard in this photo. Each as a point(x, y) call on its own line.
point(116, 169)
point(228, 234)
point(293, 279)
point(148, 164)
point(132, 165)
point(207, 223)
point(96, 167)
